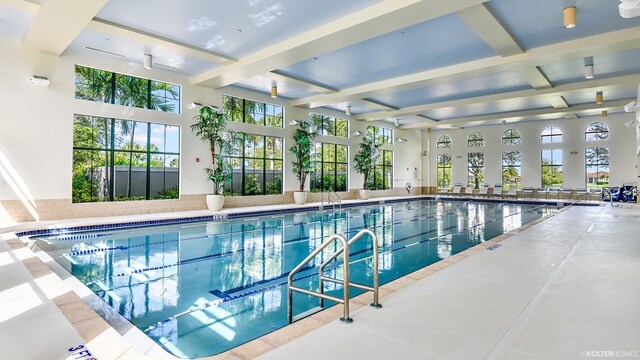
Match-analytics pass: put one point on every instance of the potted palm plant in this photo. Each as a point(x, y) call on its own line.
point(365, 160)
point(209, 126)
point(302, 137)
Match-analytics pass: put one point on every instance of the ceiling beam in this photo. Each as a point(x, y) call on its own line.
point(279, 76)
point(57, 23)
point(480, 19)
point(376, 20)
point(378, 105)
point(548, 93)
point(520, 115)
point(614, 41)
point(126, 32)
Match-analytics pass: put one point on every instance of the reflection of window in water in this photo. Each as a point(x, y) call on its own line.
point(476, 220)
point(272, 299)
point(263, 247)
point(323, 226)
point(444, 246)
point(385, 261)
point(512, 217)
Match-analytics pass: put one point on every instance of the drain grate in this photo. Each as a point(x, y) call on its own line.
point(493, 247)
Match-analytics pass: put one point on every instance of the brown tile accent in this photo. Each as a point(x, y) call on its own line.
point(36, 267)
point(291, 332)
point(86, 321)
point(252, 349)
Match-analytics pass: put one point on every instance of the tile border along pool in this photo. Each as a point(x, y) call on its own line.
point(107, 342)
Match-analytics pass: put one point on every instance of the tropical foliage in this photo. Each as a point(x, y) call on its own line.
point(253, 112)
point(329, 167)
point(367, 157)
point(301, 149)
point(109, 87)
point(210, 126)
point(475, 167)
point(444, 170)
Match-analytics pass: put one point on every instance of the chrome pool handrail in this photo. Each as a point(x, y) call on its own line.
point(345, 281)
point(374, 288)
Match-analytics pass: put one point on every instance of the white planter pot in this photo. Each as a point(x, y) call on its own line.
point(300, 197)
point(215, 202)
point(364, 194)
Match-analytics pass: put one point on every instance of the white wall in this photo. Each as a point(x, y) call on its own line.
point(621, 144)
point(36, 125)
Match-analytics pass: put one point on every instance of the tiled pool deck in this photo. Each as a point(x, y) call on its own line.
point(555, 288)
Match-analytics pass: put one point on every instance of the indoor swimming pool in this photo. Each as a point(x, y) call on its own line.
point(201, 288)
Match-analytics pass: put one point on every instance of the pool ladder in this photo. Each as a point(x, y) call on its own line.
point(346, 283)
point(332, 199)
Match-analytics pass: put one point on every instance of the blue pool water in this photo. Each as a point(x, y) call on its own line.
point(202, 288)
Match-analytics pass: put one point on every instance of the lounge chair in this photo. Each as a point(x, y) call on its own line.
point(484, 190)
point(527, 190)
point(497, 190)
point(566, 193)
point(468, 190)
point(554, 192)
point(456, 189)
point(582, 194)
point(595, 192)
point(512, 192)
point(442, 191)
point(542, 191)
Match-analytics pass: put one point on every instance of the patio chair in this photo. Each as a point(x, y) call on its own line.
point(554, 191)
point(484, 190)
point(542, 191)
point(497, 190)
point(457, 188)
point(527, 190)
point(566, 193)
point(512, 192)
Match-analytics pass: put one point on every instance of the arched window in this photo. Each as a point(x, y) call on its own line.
point(596, 131)
point(511, 137)
point(443, 142)
point(551, 134)
point(475, 139)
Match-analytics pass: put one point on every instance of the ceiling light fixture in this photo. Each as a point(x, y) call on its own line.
point(569, 15)
point(348, 110)
point(396, 122)
point(504, 122)
point(147, 62)
point(605, 114)
point(599, 98)
point(39, 80)
point(274, 91)
point(589, 71)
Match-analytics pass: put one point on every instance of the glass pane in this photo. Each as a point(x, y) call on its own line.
point(341, 177)
point(388, 157)
point(259, 146)
point(341, 153)
point(131, 91)
point(93, 84)
point(342, 127)
point(328, 152)
point(130, 176)
point(158, 138)
point(172, 144)
point(253, 177)
point(83, 132)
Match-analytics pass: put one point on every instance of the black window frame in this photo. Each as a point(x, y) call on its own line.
point(386, 167)
point(477, 142)
point(111, 150)
point(243, 160)
point(111, 91)
point(319, 159)
point(597, 133)
point(481, 167)
point(598, 164)
point(443, 142)
point(511, 139)
point(328, 125)
point(441, 169)
point(261, 110)
point(383, 135)
point(553, 135)
point(517, 166)
point(554, 165)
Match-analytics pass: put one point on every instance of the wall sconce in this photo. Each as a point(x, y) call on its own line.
point(147, 62)
point(348, 110)
point(294, 122)
point(195, 105)
point(401, 140)
point(356, 133)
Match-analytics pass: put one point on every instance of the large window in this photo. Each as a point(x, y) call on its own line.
point(552, 167)
point(551, 134)
point(597, 166)
point(444, 170)
point(328, 125)
point(475, 139)
point(596, 131)
point(443, 142)
point(253, 112)
point(113, 88)
point(384, 136)
point(511, 137)
point(124, 160)
point(511, 169)
point(329, 167)
point(257, 168)
point(382, 178)
point(475, 167)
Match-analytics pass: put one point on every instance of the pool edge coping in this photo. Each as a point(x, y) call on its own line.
point(260, 345)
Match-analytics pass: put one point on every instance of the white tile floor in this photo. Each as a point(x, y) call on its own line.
point(567, 285)
point(560, 289)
